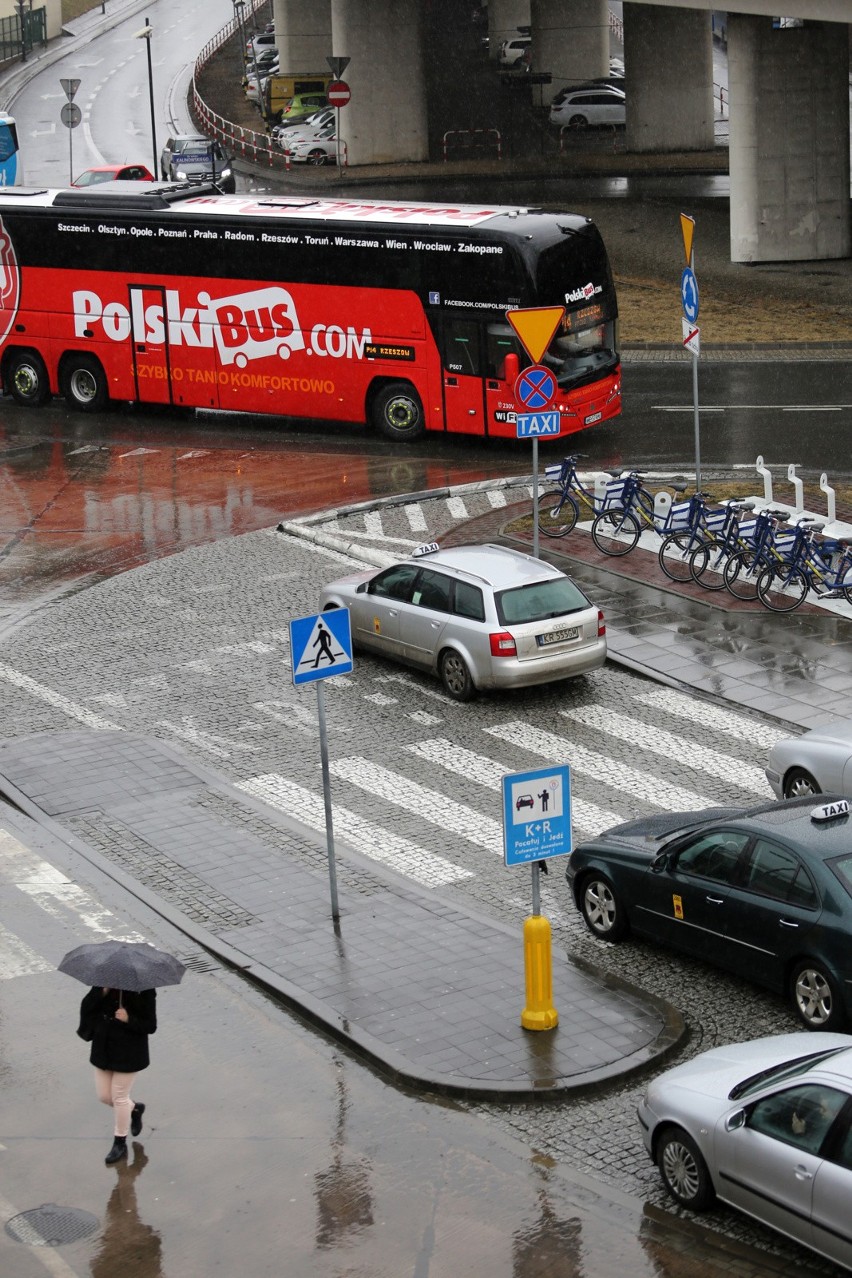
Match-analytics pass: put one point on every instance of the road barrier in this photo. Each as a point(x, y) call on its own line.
point(468, 140)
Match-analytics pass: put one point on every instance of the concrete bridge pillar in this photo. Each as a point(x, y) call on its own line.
point(385, 120)
point(789, 143)
point(504, 18)
point(302, 33)
point(570, 39)
point(668, 62)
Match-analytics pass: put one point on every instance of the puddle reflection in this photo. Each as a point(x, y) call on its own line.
point(127, 1245)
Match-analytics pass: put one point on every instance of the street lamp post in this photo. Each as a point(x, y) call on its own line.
point(145, 34)
point(239, 9)
point(239, 5)
point(22, 8)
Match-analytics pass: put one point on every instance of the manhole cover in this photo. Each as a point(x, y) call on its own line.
point(51, 1226)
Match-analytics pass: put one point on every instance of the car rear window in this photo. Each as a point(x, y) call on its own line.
point(539, 601)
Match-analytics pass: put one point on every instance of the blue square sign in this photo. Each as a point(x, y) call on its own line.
point(537, 814)
point(321, 646)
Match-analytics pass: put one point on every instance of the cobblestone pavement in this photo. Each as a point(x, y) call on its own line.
point(192, 652)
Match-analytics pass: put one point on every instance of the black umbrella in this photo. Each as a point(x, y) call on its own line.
point(122, 965)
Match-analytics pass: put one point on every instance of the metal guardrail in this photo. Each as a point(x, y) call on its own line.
point(245, 143)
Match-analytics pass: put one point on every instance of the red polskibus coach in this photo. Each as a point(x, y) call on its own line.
point(326, 309)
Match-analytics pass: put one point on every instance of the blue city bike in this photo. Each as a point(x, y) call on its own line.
point(560, 508)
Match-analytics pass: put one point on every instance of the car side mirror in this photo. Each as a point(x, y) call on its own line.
point(362, 589)
point(660, 862)
point(736, 1120)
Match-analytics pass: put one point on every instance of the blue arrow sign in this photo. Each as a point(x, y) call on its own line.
point(321, 646)
point(531, 425)
point(689, 294)
point(536, 814)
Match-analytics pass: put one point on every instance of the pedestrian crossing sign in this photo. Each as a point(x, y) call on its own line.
point(321, 646)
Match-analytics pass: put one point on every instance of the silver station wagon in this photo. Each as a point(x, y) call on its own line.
point(476, 616)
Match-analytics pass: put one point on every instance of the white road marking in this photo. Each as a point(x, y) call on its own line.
point(496, 497)
point(549, 747)
point(490, 772)
point(668, 745)
point(55, 699)
point(429, 805)
point(710, 716)
point(457, 508)
point(370, 840)
point(17, 959)
point(416, 518)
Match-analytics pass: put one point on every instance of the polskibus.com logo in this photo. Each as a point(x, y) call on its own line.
point(244, 327)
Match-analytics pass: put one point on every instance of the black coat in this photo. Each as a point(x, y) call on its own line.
point(118, 1045)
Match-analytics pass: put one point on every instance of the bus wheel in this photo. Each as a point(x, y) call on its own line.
point(26, 378)
point(84, 384)
point(398, 413)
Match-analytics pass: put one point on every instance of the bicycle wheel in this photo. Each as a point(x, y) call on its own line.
point(557, 513)
point(674, 555)
point(615, 532)
point(782, 591)
point(707, 565)
point(742, 570)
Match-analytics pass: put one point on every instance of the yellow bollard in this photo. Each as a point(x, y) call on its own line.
point(539, 1013)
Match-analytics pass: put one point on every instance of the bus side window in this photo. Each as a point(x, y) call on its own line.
point(461, 347)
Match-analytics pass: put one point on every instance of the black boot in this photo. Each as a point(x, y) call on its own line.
point(136, 1119)
point(118, 1151)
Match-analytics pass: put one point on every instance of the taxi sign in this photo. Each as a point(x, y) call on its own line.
point(828, 811)
point(535, 327)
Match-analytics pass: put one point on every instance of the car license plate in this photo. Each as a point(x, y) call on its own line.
point(592, 417)
point(558, 636)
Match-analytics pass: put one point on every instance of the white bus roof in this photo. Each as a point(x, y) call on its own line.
point(125, 197)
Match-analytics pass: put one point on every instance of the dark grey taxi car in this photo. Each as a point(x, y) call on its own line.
point(765, 892)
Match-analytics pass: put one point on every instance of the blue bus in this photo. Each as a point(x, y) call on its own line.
point(10, 164)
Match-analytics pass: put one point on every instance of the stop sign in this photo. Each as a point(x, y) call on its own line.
point(337, 93)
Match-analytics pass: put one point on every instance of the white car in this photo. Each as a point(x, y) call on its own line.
point(765, 1126)
point(817, 762)
point(318, 146)
point(311, 127)
point(511, 51)
point(594, 105)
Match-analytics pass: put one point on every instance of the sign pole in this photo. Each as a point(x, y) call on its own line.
point(691, 332)
point(321, 647)
point(535, 495)
point(326, 798)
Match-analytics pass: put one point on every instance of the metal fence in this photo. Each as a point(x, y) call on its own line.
point(18, 38)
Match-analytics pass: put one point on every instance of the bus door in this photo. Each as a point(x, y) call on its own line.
point(149, 335)
point(464, 395)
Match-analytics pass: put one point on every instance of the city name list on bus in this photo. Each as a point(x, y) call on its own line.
point(279, 237)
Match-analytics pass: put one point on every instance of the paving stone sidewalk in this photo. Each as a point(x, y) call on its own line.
point(427, 990)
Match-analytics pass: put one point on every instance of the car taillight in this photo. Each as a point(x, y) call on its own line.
point(502, 644)
point(601, 624)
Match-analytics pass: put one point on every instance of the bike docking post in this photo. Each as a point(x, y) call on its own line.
point(537, 826)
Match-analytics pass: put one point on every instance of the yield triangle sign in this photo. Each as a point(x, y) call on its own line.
point(535, 327)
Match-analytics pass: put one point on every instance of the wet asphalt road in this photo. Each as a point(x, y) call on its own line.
point(266, 1149)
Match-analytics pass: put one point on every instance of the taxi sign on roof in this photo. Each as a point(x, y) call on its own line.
point(828, 811)
point(535, 327)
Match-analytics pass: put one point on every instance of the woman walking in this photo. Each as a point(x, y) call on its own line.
point(117, 1023)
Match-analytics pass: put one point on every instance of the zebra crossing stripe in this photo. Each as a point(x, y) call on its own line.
point(370, 840)
point(551, 748)
point(429, 805)
point(17, 959)
point(668, 745)
point(489, 773)
point(416, 518)
point(55, 893)
point(710, 716)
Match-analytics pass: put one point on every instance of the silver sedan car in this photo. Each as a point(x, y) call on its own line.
point(477, 616)
point(817, 762)
point(765, 1126)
